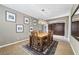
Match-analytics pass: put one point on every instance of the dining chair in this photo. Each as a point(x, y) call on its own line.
point(35, 41)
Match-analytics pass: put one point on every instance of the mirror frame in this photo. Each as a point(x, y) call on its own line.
point(71, 21)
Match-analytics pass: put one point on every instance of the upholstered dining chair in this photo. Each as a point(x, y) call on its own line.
point(35, 43)
point(49, 38)
point(31, 39)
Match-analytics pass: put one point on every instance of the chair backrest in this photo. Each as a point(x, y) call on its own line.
point(34, 35)
point(50, 35)
point(49, 32)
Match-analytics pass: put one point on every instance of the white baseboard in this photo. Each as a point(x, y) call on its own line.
point(73, 49)
point(12, 43)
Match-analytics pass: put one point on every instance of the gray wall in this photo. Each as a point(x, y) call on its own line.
point(8, 29)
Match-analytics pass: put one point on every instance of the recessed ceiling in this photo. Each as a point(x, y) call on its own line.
point(42, 11)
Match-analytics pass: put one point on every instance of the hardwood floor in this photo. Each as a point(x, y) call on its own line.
point(15, 49)
point(63, 48)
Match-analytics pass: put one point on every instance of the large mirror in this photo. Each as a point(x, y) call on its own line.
point(75, 24)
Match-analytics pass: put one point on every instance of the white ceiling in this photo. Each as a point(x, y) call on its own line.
point(51, 10)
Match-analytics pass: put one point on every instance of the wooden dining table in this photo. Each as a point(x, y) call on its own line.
point(39, 40)
point(42, 34)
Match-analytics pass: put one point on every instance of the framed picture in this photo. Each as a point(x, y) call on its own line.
point(26, 20)
point(34, 22)
point(10, 16)
point(31, 29)
point(19, 28)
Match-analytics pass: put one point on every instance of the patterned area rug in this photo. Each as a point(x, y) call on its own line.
point(49, 51)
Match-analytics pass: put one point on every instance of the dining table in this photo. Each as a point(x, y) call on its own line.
point(39, 40)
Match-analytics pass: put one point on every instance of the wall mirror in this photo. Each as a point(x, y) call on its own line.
point(75, 24)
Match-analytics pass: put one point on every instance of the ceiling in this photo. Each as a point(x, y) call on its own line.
point(49, 10)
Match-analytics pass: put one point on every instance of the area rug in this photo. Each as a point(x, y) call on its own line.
point(49, 51)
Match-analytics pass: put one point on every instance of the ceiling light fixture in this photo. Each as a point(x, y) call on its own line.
point(43, 10)
point(43, 22)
